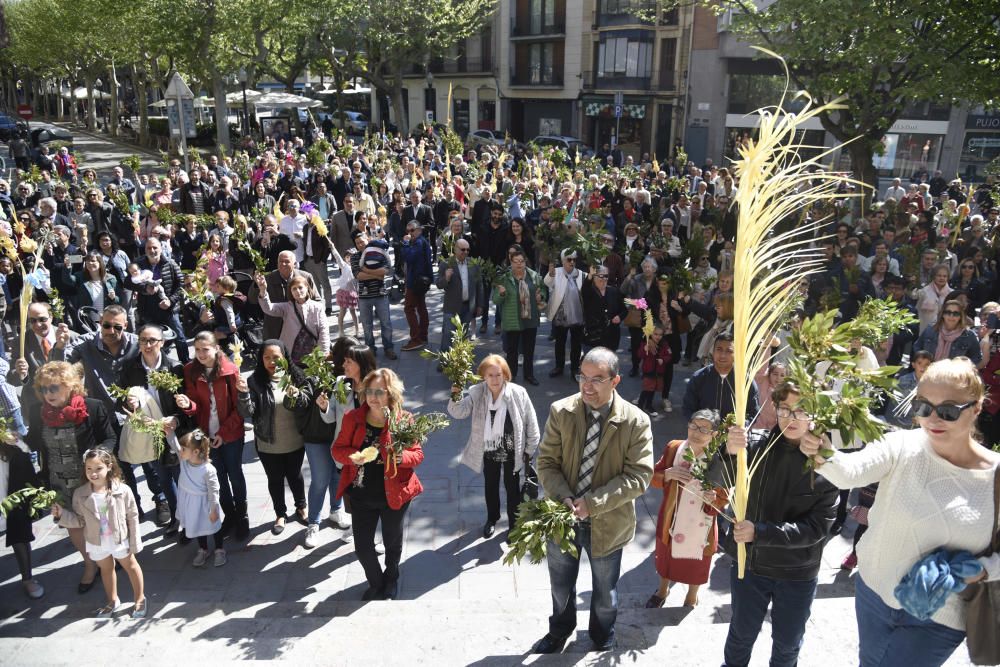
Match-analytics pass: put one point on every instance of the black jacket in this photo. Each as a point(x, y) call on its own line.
point(95, 431)
point(792, 509)
point(307, 414)
point(133, 374)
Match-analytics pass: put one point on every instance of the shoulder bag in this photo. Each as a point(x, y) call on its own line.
point(982, 611)
point(529, 489)
point(305, 340)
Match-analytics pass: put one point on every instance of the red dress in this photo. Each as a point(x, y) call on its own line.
point(681, 570)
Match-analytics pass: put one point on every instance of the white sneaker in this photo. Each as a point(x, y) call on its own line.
point(347, 535)
point(220, 557)
point(342, 518)
point(379, 548)
point(200, 558)
point(667, 407)
point(312, 536)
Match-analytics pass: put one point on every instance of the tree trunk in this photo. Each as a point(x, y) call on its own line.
point(396, 93)
point(221, 116)
point(139, 81)
point(60, 102)
point(861, 163)
point(91, 111)
point(113, 112)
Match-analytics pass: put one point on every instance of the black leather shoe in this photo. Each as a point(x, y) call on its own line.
point(555, 372)
point(489, 529)
point(549, 644)
point(372, 593)
point(532, 381)
point(603, 646)
point(82, 587)
point(391, 591)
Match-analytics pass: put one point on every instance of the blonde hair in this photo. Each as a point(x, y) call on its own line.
point(959, 373)
point(393, 385)
point(495, 360)
point(60, 372)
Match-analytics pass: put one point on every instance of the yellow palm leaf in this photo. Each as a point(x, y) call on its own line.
point(775, 183)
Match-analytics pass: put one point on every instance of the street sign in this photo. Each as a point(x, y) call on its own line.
point(178, 88)
point(618, 111)
point(25, 112)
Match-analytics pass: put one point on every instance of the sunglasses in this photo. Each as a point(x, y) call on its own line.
point(949, 412)
point(38, 320)
point(376, 393)
point(952, 313)
point(50, 389)
point(107, 326)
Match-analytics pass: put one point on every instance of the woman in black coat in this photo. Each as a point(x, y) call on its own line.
point(21, 474)
point(62, 425)
point(603, 309)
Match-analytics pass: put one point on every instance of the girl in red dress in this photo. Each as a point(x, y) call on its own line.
point(686, 530)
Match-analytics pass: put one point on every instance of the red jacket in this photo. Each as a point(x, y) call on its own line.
point(400, 489)
point(226, 397)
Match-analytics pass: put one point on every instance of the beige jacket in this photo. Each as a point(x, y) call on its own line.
point(123, 516)
point(623, 469)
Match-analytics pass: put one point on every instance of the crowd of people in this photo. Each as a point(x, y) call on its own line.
point(138, 297)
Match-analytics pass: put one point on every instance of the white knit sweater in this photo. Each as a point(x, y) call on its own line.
point(923, 503)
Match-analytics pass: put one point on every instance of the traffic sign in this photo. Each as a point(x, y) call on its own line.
point(618, 111)
point(25, 112)
point(179, 88)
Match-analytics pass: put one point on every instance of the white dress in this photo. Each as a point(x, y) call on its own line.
point(197, 494)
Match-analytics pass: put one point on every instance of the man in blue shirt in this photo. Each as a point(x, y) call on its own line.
point(419, 275)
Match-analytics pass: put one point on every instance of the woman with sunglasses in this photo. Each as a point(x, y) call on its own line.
point(686, 559)
point(966, 278)
point(379, 482)
point(950, 337)
point(62, 425)
point(936, 488)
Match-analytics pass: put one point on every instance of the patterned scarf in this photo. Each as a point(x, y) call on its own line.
point(75, 413)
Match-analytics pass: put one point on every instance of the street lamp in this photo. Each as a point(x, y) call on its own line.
point(246, 115)
point(429, 101)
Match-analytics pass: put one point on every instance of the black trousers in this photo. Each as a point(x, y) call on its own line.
point(280, 468)
point(364, 518)
point(635, 343)
point(575, 340)
point(520, 342)
point(512, 485)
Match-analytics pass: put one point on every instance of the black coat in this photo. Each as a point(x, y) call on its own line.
point(96, 431)
point(792, 509)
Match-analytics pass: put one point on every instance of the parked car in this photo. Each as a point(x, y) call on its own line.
point(421, 129)
point(43, 134)
point(571, 145)
point(9, 126)
point(487, 138)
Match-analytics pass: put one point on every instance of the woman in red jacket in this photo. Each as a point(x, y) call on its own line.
point(380, 484)
point(218, 397)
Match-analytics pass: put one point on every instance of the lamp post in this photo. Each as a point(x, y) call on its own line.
point(247, 131)
point(429, 101)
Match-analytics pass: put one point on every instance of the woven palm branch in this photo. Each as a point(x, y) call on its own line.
point(775, 182)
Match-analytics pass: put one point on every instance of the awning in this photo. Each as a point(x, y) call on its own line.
point(637, 111)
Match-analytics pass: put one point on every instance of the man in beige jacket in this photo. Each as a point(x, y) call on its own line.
point(596, 457)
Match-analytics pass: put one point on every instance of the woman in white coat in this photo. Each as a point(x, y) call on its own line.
point(504, 435)
point(565, 311)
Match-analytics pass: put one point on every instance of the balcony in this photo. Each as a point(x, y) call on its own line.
point(524, 31)
point(663, 82)
point(461, 65)
point(639, 12)
point(554, 80)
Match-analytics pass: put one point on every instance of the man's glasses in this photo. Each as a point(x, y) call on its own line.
point(949, 412)
point(38, 320)
point(107, 326)
point(583, 379)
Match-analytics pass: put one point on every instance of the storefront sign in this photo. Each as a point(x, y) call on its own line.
point(982, 122)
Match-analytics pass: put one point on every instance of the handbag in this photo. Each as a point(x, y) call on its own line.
point(633, 319)
point(304, 341)
point(982, 609)
point(529, 489)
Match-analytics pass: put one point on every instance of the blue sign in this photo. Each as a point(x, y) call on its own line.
point(618, 111)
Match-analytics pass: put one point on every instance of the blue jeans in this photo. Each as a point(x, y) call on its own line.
point(180, 344)
point(168, 476)
point(447, 328)
point(323, 478)
point(790, 603)
point(380, 307)
point(893, 637)
point(563, 570)
point(228, 462)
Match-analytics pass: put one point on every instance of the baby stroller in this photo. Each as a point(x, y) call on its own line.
point(251, 328)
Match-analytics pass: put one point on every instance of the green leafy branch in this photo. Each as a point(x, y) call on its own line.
point(39, 500)
point(457, 361)
point(699, 465)
point(165, 381)
point(320, 371)
point(538, 522)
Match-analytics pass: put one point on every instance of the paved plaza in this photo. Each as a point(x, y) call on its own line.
point(459, 604)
